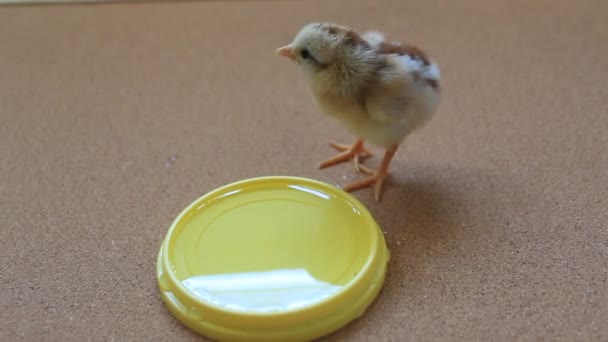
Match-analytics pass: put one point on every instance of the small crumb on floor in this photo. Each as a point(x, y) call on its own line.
point(170, 161)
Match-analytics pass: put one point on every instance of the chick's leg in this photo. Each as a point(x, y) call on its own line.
point(377, 178)
point(354, 152)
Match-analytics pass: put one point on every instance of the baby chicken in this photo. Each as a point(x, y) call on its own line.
point(381, 91)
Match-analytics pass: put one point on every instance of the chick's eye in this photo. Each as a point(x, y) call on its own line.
point(304, 53)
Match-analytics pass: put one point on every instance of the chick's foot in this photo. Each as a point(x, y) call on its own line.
point(354, 152)
point(375, 178)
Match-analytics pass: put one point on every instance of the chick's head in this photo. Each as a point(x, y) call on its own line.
point(331, 54)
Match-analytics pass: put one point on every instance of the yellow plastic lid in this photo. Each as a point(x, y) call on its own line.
point(272, 259)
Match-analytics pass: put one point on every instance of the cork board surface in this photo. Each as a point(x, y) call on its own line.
point(115, 117)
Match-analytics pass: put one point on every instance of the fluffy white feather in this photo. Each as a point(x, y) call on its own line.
point(373, 38)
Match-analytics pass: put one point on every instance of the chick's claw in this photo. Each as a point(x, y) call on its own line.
point(354, 152)
point(366, 170)
point(342, 147)
point(377, 180)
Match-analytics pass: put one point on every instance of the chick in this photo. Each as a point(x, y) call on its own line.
point(380, 91)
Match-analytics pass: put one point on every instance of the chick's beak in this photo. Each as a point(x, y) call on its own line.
point(286, 51)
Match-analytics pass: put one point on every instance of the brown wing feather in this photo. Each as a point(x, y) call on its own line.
point(403, 50)
point(408, 50)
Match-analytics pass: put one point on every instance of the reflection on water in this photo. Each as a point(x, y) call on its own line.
point(269, 291)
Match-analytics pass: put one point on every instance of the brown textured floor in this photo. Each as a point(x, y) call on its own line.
point(113, 118)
